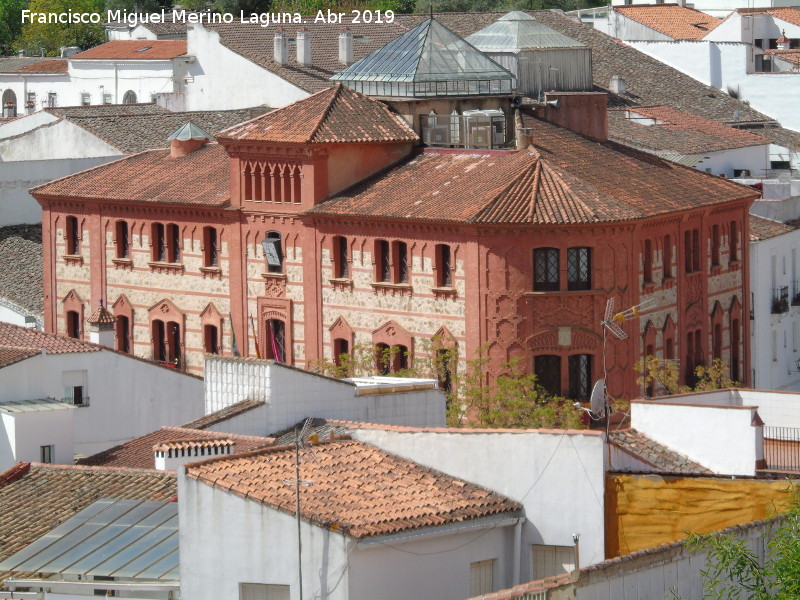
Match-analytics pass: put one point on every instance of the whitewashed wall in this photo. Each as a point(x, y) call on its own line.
point(557, 476)
point(24, 433)
point(720, 438)
point(777, 409)
point(725, 162)
point(98, 77)
point(41, 85)
point(223, 79)
point(623, 28)
point(128, 397)
point(227, 540)
point(775, 371)
point(293, 394)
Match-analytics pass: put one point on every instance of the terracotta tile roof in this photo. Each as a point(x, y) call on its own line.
point(791, 56)
point(17, 64)
point(138, 453)
point(22, 282)
point(363, 490)
point(676, 131)
point(564, 179)
point(9, 356)
point(218, 442)
point(334, 115)
point(15, 336)
point(323, 428)
point(107, 110)
point(224, 414)
point(153, 177)
point(764, 229)
point(780, 136)
point(137, 132)
point(45, 66)
point(677, 22)
point(37, 498)
point(790, 14)
point(135, 50)
point(653, 453)
point(101, 316)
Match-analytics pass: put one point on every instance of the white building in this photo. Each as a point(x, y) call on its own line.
point(775, 302)
point(113, 397)
point(28, 84)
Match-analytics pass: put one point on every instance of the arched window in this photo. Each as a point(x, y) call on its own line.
point(276, 340)
point(123, 334)
point(9, 103)
point(383, 360)
point(122, 239)
point(273, 252)
point(129, 97)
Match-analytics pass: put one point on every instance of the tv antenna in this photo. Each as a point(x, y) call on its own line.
point(300, 439)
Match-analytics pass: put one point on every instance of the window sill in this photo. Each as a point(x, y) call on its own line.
point(648, 287)
point(122, 263)
point(564, 292)
point(165, 267)
point(444, 292)
point(734, 265)
point(668, 282)
point(274, 276)
point(73, 259)
point(341, 283)
point(394, 289)
point(716, 270)
point(214, 272)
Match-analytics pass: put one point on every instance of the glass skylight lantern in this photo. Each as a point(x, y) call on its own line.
point(428, 61)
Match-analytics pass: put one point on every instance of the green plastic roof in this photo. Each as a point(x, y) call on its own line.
point(429, 60)
point(517, 31)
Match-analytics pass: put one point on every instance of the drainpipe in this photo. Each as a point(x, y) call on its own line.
point(116, 84)
point(517, 552)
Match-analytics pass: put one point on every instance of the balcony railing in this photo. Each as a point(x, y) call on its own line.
point(796, 293)
point(782, 448)
point(780, 300)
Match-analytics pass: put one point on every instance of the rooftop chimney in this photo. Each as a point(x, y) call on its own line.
point(346, 46)
point(585, 113)
point(304, 47)
point(187, 139)
point(101, 326)
point(618, 85)
point(281, 47)
point(172, 454)
point(784, 43)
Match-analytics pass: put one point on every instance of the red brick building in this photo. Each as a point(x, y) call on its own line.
point(323, 225)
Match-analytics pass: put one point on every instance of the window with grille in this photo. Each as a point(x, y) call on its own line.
point(547, 368)
point(210, 247)
point(401, 262)
point(383, 265)
point(580, 376)
point(123, 249)
point(545, 270)
point(263, 591)
point(579, 268)
point(47, 453)
point(481, 577)
point(173, 243)
point(444, 270)
point(548, 561)
point(159, 242)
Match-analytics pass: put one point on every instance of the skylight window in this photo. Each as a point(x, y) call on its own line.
point(144, 48)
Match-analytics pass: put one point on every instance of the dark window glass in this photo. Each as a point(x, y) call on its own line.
point(715, 245)
point(579, 268)
point(73, 324)
point(174, 243)
point(648, 261)
point(401, 260)
point(735, 349)
point(383, 359)
point(123, 327)
point(667, 257)
point(687, 251)
point(734, 242)
point(159, 341)
point(547, 368)
point(123, 248)
point(444, 268)
point(580, 376)
point(384, 264)
point(174, 341)
point(340, 258)
point(340, 347)
point(696, 250)
point(545, 269)
point(159, 243)
point(73, 237)
point(211, 247)
point(211, 339)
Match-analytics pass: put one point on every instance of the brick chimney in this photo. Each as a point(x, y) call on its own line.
point(585, 113)
point(346, 46)
point(186, 139)
point(172, 454)
point(281, 47)
point(304, 47)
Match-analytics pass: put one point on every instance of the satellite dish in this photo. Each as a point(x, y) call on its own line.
point(597, 401)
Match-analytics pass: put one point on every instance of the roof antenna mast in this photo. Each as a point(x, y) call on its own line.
point(431, 5)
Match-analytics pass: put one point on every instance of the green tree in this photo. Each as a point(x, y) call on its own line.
point(141, 5)
point(734, 571)
point(664, 374)
point(51, 36)
point(10, 23)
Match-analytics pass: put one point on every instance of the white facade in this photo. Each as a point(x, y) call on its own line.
point(730, 163)
point(624, 28)
point(227, 540)
point(775, 336)
point(124, 397)
point(11, 312)
point(43, 89)
point(293, 394)
point(30, 426)
point(221, 79)
point(711, 430)
point(558, 476)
